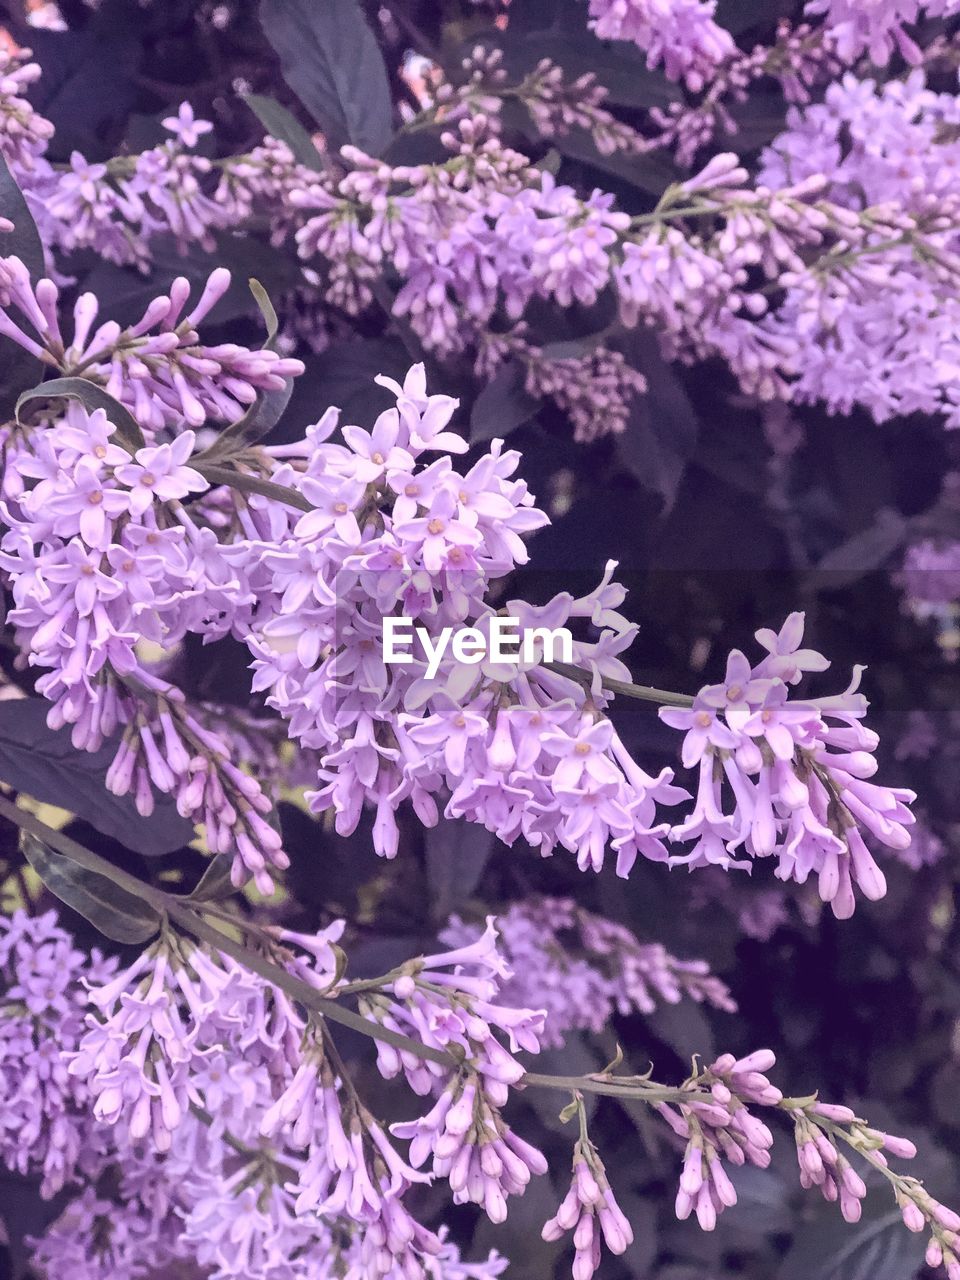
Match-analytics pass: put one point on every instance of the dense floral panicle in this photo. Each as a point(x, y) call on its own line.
point(46, 1126)
point(721, 1129)
point(450, 1001)
point(145, 1054)
point(795, 771)
point(590, 1211)
point(487, 230)
point(930, 574)
point(95, 1238)
point(393, 532)
point(865, 26)
point(157, 367)
point(680, 34)
point(232, 1191)
point(582, 968)
point(24, 133)
point(556, 103)
point(101, 553)
point(890, 146)
point(119, 208)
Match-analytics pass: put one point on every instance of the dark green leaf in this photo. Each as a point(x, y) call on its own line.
point(343, 375)
point(23, 241)
point(259, 420)
point(267, 310)
point(684, 1027)
point(573, 348)
point(652, 173)
point(662, 429)
point(331, 60)
point(247, 483)
point(457, 853)
point(266, 411)
point(875, 1248)
point(92, 397)
point(281, 124)
point(125, 293)
point(18, 368)
point(44, 763)
point(349, 863)
point(87, 84)
point(763, 1200)
point(112, 910)
point(503, 405)
point(868, 550)
point(215, 883)
point(619, 67)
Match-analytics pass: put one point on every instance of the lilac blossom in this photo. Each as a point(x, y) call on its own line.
point(681, 34)
point(590, 1211)
point(877, 29)
point(186, 127)
point(46, 1126)
point(95, 565)
point(158, 367)
point(875, 145)
point(583, 969)
point(797, 774)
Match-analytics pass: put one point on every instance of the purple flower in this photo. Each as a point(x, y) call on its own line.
point(160, 472)
point(185, 127)
point(590, 1211)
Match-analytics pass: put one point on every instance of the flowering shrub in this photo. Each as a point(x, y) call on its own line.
point(316, 963)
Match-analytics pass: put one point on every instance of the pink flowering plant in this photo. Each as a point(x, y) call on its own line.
point(631, 321)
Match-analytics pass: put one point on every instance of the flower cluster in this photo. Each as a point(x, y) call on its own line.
point(158, 368)
point(464, 1134)
point(893, 146)
point(796, 771)
point(720, 1126)
point(101, 553)
point(590, 1211)
point(488, 231)
point(192, 1104)
point(103, 550)
point(46, 1126)
point(582, 969)
point(24, 133)
point(219, 1099)
point(556, 105)
point(278, 1167)
point(859, 26)
point(680, 34)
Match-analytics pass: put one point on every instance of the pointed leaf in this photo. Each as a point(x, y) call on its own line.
point(92, 397)
point(112, 910)
point(331, 60)
point(503, 405)
point(43, 763)
point(283, 125)
point(875, 1248)
point(215, 883)
point(457, 854)
point(23, 241)
point(18, 368)
point(266, 411)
